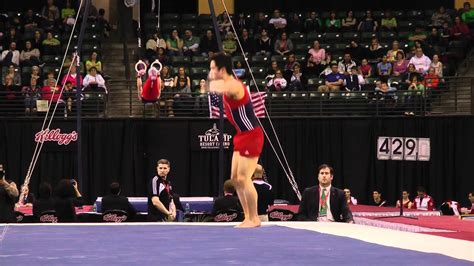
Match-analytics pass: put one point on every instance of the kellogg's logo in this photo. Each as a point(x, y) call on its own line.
point(277, 215)
point(48, 218)
point(210, 139)
point(224, 217)
point(55, 135)
point(114, 218)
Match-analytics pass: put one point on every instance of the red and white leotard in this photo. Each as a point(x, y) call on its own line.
point(249, 138)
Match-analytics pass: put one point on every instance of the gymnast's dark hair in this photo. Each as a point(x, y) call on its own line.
point(223, 60)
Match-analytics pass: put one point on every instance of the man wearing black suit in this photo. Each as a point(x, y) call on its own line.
point(324, 202)
point(116, 202)
point(228, 202)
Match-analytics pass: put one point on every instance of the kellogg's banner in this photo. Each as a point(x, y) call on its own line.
point(62, 138)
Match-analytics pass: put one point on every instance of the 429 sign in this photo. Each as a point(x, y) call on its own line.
point(398, 148)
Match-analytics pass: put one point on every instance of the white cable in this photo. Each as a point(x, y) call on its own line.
point(4, 233)
point(289, 173)
point(39, 145)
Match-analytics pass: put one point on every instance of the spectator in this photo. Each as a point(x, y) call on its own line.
point(228, 201)
point(229, 45)
point(201, 102)
point(412, 53)
point(242, 22)
point(93, 61)
point(239, 70)
point(66, 198)
point(264, 44)
point(161, 206)
point(37, 41)
point(12, 36)
point(224, 23)
point(277, 23)
point(298, 81)
point(467, 14)
point(69, 96)
point(174, 44)
point(333, 23)
point(375, 51)
point(114, 201)
point(8, 194)
point(190, 44)
point(49, 77)
point(389, 22)
point(44, 202)
point(356, 51)
point(30, 21)
point(264, 192)
point(51, 92)
point(416, 89)
point(290, 63)
point(334, 80)
point(9, 88)
point(272, 70)
point(94, 82)
point(368, 23)
point(11, 56)
point(152, 45)
point(384, 68)
point(420, 61)
point(31, 94)
point(283, 45)
point(167, 85)
point(260, 22)
point(445, 34)
point(182, 76)
point(50, 8)
point(460, 31)
point(383, 91)
point(407, 203)
point(324, 202)
point(36, 73)
point(365, 68)
point(294, 23)
point(51, 45)
point(418, 35)
point(439, 17)
point(208, 45)
point(277, 83)
point(349, 199)
point(349, 22)
point(469, 210)
point(434, 41)
point(26, 198)
point(409, 74)
point(12, 71)
point(50, 23)
point(392, 53)
point(377, 199)
point(423, 201)
point(68, 16)
point(400, 65)
point(30, 56)
point(72, 77)
point(437, 65)
point(354, 81)
point(162, 57)
point(345, 66)
point(317, 55)
point(248, 43)
point(103, 23)
point(312, 23)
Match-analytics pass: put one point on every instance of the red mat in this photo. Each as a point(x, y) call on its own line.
point(29, 210)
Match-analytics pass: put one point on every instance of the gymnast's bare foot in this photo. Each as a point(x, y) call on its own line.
point(249, 224)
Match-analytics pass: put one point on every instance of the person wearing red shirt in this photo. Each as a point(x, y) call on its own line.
point(459, 30)
point(50, 92)
point(423, 201)
point(407, 203)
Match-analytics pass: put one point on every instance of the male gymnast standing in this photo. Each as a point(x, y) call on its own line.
point(248, 141)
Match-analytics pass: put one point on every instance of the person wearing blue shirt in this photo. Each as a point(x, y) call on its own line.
point(334, 80)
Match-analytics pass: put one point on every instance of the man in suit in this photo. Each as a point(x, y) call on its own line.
point(228, 201)
point(116, 202)
point(324, 202)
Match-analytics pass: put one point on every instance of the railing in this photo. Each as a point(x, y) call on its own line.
point(452, 97)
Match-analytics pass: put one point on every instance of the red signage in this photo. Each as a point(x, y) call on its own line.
point(55, 135)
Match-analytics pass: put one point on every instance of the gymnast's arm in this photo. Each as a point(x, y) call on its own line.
point(11, 189)
point(139, 87)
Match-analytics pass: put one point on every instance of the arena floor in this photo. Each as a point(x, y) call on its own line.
point(284, 243)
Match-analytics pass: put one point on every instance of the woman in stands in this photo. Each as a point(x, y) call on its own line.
point(31, 94)
point(93, 61)
point(167, 85)
point(30, 56)
point(349, 22)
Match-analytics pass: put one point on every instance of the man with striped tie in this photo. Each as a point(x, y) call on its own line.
point(324, 202)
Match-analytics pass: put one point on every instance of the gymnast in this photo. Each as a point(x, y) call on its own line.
point(248, 141)
point(151, 90)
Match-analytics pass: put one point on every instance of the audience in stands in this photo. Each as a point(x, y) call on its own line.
point(277, 23)
point(345, 66)
point(354, 81)
point(377, 199)
point(30, 56)
point(9, 88)
point(365, 68)
point(317, 55)
point(407, 203)
point(298, 80)
point(420, 61)
point(72, 77)
point(349, 23)
point(153, 44)
point(368, 23)
point(384, 68)
point(349, 199)
point(51, 92)
point(283, 45)
point(190, 44)
point(208, 45)
point(423, 201)
point(333, 23)
point(459, 30)
point(114, 201)
point(11, 56)
point(278, 82)
point(400, 65)
point(247, 42)
point(375, 52)
point(333, 81)
point(264, 44)
point(229, 45)
point(51, 45)
point(467, 14)
point(69, 96)
point(439, 17)
point(417, 92)
point(174, 44)
point(312, 23)
point(389, 22)
point(12, 71)
point(437, 65)
point(31, 94)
